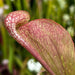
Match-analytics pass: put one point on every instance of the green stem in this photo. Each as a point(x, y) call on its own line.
point(25, 4)
point(49, 8)
point(18, 61)
point(8, 2)
point(4, 46)
point(10, 59)
point(11, 54)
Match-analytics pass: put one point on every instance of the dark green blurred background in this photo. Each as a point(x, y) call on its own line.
point(14, 58)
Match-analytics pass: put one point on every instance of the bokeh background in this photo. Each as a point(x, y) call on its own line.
point(14, 58)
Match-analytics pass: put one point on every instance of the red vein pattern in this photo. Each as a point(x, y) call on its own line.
point(45, 39)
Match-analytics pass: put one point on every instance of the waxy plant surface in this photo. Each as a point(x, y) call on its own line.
point(45, 39)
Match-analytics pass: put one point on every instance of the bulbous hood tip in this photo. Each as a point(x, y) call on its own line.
point(16, 16)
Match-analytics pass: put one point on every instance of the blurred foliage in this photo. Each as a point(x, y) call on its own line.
point(61, 11)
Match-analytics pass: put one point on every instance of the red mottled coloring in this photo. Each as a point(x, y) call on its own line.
point(45, 39)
